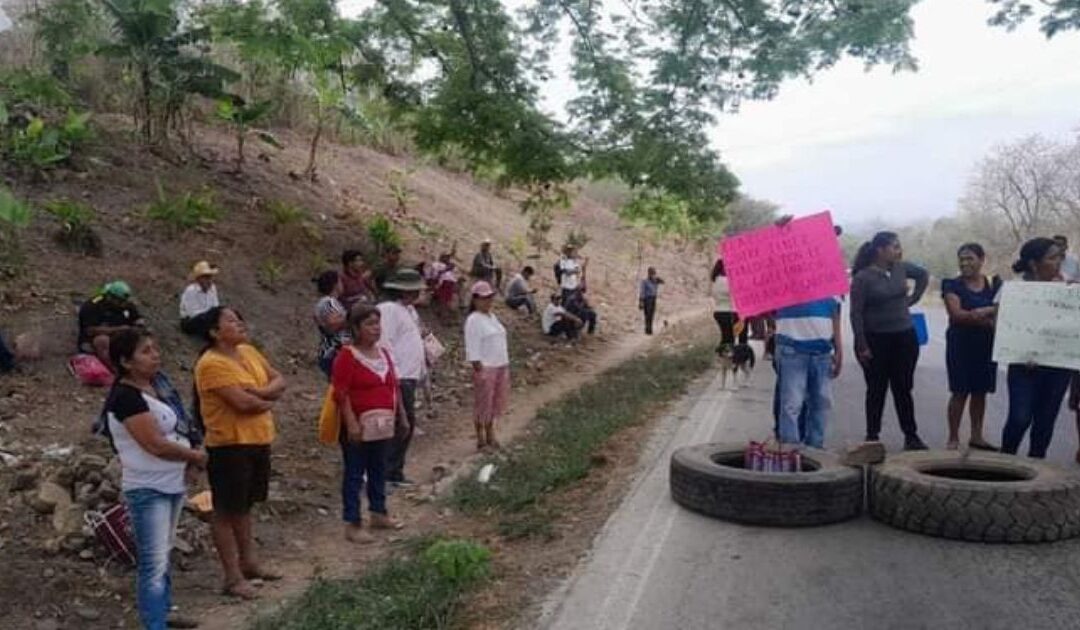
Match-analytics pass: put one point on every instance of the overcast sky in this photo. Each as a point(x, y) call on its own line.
point(901, 147)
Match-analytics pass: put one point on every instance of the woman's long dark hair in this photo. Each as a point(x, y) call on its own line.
point(868, 251)
point(122, 347)
point(718, 269)
point(1032, 252)
point(213, 323)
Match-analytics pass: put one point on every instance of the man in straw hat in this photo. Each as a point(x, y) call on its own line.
point(401, 332)
point(198, 298)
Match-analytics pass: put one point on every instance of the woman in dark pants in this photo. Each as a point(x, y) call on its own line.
point(885, 341)
point(723, 313)
point(1035, 391)
point(366, 385)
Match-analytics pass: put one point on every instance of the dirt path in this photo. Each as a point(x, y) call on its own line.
point(319, 549)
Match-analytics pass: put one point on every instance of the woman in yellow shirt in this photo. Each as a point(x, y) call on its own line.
point(236, 389)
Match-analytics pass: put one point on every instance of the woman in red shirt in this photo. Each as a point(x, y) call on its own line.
point(365, 387)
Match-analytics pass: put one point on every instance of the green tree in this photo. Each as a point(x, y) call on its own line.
point(165, 61)
point(68, 31)
point(1057, 15)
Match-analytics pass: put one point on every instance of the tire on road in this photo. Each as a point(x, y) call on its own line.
point(826, 492)
point(981, 497)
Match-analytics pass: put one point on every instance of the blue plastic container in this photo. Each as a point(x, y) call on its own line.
point(922, 328)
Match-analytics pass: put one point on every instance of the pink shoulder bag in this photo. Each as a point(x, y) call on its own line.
point(378, 424)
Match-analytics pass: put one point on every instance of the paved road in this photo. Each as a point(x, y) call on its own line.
point(657, 566)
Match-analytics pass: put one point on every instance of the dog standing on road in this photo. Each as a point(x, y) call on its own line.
point(735, 359)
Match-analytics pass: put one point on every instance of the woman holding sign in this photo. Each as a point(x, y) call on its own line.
point(1035, 391)
point(969, 343)
point(885, 340)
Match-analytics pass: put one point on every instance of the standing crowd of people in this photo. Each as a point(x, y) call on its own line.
point(808, 345)
point(376, 355)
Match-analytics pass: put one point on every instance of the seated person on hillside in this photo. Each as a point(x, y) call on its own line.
point(390, 263)
point(555, 320)
point(578, 305)
point(484, 267)
point(519, 293)
point(445, 283)
point(108, 312)
point(355, 280)
point(199, 297)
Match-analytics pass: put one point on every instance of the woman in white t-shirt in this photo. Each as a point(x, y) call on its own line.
point(154, 457)
point(486, 350)
point(723, 312)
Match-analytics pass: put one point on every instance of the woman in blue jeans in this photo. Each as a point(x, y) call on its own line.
point(1035, 391)
point(366, 389)
point(154, 457)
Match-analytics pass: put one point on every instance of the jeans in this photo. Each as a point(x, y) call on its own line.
point(1035, 396)
point(648, 305)
point(363, 459)
point(154, 516)
point(399, 445)
point(518, 301)
point(776, 405)
point(804, 385)
point(7, 359)
point(892, 367)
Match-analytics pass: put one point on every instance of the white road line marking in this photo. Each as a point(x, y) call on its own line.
point(646, 539)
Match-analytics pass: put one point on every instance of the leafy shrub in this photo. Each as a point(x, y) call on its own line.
point(269, 274)
point(284, 214)
point(185, 211)
point(460, 561)
point(76, 232)
point(14, 216)
point(32, 89)
point(578, 238)
point(398, 182)
point(382, 233)
point(41, 144)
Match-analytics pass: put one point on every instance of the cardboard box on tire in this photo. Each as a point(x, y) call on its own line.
point(711, 479)
point(976, 496)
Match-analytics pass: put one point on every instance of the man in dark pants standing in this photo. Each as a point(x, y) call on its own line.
point(402, 332)
point(650, 288)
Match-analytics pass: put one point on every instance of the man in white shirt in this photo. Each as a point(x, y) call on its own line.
point(1070, 266)
point(402, 334)
point(199, 297)
point(555, 320)
point(570, 271)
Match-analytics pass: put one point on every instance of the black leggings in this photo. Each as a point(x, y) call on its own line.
point(726, 320)
point(892, 366)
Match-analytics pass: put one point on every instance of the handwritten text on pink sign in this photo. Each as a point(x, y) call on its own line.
point(774, 267)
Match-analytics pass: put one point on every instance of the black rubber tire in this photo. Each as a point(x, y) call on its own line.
point(829, 494)
point(1043, 507)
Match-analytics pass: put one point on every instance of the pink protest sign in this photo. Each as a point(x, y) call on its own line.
point(774, 267)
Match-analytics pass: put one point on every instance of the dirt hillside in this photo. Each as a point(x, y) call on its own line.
point(56, 579)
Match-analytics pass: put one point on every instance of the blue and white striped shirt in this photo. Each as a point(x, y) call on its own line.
point(807, 328)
